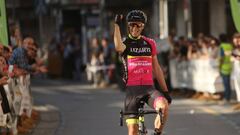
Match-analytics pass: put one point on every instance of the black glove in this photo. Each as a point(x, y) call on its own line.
point(118, 19)
point(168, 97)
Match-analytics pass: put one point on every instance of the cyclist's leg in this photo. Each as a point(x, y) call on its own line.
point(132, 124)
point(157, 101)
point(134, 94)
point(131, 120)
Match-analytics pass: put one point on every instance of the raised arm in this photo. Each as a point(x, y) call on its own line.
point(119, 46)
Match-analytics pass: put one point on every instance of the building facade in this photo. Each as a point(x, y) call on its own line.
point(95, 17)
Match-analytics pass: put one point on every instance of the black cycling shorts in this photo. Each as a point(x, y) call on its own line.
point(135, 94)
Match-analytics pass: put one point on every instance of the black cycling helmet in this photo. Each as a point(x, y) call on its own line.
point(136, 16)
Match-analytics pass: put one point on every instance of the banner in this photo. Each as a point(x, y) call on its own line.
point(20, 102)
point(199, 75)
point(3, 24)
point(235, 8)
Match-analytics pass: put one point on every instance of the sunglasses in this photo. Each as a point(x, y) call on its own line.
point(138, 25)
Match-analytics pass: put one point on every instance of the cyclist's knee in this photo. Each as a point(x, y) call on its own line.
point(161, 102)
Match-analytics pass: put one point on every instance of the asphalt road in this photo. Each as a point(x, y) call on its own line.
point(87, 111)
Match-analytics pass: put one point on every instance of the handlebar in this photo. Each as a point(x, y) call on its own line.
point(141, 112)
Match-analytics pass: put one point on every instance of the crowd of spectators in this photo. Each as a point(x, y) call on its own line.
point(65, 58)
point(203, 48)
point(19, 58)
point(101, 62)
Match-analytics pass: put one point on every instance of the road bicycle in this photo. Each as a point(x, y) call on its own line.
point(140, 114)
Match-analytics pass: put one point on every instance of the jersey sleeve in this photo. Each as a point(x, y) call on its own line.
point(153, 45)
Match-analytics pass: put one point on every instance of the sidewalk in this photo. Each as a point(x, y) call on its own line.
point(49, 120)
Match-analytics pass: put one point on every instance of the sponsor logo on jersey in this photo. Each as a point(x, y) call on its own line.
point(140, 50)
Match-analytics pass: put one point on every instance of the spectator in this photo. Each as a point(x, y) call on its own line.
point(22, 54)
point(15, 36)
point(183, 48)
point(77, 58)
point(3, 63)
point(34, 60)
point(96, 74)
point(175, 52)
point(213, 47)
point(68, 58)
point(106, 51)
point(95, 47)
point(95, 62)
point(192, 50)
point(7, 52)
point(106, 57)
point(225, 66)
point(203, 49)
point(236, 67)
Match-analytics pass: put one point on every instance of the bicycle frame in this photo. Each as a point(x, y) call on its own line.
point(141, 127)
point(141, 112)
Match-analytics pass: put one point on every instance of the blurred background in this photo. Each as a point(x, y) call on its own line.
point(55, 23)
point(73, 39)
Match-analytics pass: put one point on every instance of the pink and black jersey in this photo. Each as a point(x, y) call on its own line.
point(137, 60)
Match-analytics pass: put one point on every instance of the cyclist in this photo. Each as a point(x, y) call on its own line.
point(140, 64)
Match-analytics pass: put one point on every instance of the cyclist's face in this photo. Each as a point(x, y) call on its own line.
point(135, 28)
